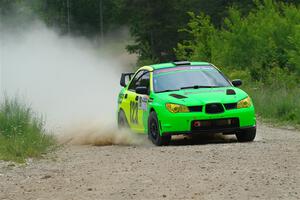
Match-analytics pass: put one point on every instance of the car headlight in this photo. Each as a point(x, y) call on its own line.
point(244, 103)
point(176, 108)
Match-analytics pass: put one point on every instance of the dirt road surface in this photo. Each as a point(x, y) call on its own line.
point(268, 168)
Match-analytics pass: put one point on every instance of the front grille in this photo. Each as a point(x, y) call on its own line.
point(215, 124)
point(230, 106)
point(195, 108)
point(214, 108)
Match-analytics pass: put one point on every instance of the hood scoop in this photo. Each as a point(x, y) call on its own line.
point(230, 92)
point(178, 96)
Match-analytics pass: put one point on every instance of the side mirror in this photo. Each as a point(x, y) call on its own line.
point(237, 82)
point(141, 90)
point(125, 78)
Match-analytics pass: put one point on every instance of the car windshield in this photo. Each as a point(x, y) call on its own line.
point(186, 77)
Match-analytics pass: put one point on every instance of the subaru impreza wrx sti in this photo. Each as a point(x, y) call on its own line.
point(185, 98)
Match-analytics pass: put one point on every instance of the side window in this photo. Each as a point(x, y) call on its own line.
point(132, 85)
point(144, 81)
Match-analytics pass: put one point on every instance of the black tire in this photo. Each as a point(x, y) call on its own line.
point(246, 135)
point(122, 121)
point(154, 131)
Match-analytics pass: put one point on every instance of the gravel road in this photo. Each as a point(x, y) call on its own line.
point(218, 168)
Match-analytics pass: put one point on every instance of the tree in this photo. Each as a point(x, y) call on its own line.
point(154, 24)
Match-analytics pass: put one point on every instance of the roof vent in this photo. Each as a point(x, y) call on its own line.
point(181, 63)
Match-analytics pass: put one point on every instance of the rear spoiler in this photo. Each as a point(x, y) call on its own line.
point(125, 78)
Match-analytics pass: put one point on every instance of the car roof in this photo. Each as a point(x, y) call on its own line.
point(171, 64)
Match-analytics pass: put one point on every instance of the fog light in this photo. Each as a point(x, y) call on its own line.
point(197, 124)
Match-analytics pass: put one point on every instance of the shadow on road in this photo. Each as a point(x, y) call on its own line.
point(202, 139)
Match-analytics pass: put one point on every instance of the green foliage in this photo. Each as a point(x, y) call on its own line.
point(22, 132)
point(202, 31)
point(294, 53)
point(266, 38)
point(155, 23)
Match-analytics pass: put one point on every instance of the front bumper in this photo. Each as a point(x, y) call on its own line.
point(226, 131)
point(181, 123)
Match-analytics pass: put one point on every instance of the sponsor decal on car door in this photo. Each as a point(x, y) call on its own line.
point(142, 110)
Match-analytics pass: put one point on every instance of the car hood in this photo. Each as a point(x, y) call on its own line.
point(203, 96)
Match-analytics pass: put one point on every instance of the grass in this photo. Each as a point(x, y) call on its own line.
point(22, 132)
point(276, 98)
point(280, 105)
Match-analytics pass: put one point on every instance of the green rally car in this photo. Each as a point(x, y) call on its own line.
point(186, 98)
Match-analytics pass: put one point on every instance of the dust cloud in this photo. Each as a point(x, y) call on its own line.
point(100, 136)
point(71, 81)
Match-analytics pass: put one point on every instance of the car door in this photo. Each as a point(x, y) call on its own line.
point(131, 100)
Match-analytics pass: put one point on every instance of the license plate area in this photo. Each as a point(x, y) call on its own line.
point(214, 124)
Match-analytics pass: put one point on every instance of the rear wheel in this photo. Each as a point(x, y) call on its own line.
point(122, 121)
point(154, 132)
point(246, 135)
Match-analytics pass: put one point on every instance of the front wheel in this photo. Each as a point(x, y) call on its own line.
point(154, 132)
point(246, 135)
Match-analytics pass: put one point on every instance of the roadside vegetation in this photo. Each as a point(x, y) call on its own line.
point(262, 48)
point(22, 132)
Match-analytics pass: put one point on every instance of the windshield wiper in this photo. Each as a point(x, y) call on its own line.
point(188, 87)
point(166, 91)
point(198, 86)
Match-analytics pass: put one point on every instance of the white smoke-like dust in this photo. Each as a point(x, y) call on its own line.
point(71, 81)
